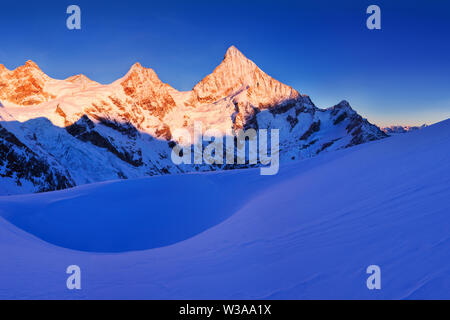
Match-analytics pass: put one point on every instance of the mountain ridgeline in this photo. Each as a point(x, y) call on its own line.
point(56, 134)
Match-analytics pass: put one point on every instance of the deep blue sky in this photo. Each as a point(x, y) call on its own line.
point(397, 75)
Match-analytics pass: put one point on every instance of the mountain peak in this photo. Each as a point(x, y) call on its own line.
point(344, 103)
point(31, 64)
point(237, 74)
point(143, 85)
point(232, 48)
point(139, 75)
point(30, 69)
point(137, 66)
point(233, 52)
point(138, 71)
point(25, 85)
point(80, 79)
point(237, 60)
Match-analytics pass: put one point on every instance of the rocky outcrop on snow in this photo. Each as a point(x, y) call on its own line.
point(125, 129)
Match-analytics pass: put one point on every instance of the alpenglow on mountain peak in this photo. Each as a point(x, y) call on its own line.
point(236, 74)
point(232, 51)
point(79, 131)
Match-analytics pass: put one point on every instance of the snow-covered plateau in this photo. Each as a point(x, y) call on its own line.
point(308, 232)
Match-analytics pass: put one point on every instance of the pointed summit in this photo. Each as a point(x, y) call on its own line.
point(30, 70)
point(236, 59)
point(137, 66)
point(141, 74)
point(344, 105)
point(237, 62)
point(31, 64)
point(147, 90)
point(237, 73)
point(233, 52)
point(232, 49)
point(24, 85)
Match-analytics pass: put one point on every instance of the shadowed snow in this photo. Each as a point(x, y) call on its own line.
point(308, 232)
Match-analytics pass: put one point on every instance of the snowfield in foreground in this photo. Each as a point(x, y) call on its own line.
point(309, 232)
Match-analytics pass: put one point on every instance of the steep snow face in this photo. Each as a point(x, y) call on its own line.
point(125, 129)
point(309, 232)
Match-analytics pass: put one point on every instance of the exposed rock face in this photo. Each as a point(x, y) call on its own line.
point(250, 89)
point(82, 131)
point(24, 85)
point(20, 163)
point(147, 91)
point(238, 75)
point(360, 129)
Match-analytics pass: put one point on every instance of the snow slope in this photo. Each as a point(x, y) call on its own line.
point(308, 232)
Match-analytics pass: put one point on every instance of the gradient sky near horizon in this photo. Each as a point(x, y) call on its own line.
point(397, 75)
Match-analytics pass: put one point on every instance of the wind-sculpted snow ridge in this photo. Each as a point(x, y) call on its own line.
point(309, 232)
point(125, 129)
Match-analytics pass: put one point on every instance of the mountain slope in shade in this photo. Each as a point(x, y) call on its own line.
point(309, 232)
point(125, 129)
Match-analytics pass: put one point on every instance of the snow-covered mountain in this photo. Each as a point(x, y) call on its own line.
point(60, 133)
point(401, 129)
point(309, 232)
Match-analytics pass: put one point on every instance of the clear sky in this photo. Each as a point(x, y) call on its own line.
point(397, 75)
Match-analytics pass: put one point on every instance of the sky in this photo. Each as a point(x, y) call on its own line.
point(397, 75)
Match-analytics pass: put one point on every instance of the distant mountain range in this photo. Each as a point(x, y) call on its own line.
point(402, 129)
point(56, 134)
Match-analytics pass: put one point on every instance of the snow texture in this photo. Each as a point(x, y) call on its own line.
point(309, 232)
